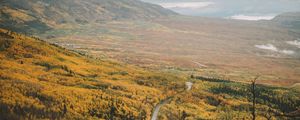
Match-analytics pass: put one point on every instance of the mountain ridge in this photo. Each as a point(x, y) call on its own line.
point(289, 20)
point(42, 15)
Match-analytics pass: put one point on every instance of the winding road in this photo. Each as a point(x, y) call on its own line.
point(166, 101)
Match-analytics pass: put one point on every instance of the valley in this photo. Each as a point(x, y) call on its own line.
point(227, 48)
point(132, 60)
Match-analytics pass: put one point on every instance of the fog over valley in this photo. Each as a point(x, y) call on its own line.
point(234, 9)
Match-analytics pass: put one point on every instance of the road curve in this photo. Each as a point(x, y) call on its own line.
point(166, 101)
point(157, 108)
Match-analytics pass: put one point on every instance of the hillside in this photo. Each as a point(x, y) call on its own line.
point(120, 59)
point(39, 80)
point(289, 20)
point(41, 15)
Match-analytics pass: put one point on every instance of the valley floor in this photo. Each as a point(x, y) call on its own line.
point(210, 47)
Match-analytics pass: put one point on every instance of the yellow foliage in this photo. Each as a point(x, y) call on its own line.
point(47, 79)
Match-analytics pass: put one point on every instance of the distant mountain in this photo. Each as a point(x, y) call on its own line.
point(41, 15)
point(290, 20)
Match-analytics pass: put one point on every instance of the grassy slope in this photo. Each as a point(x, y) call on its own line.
point(39, 80)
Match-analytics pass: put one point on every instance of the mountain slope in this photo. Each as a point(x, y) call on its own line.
point(289, 20)
point(45, 14)
point(42, 81)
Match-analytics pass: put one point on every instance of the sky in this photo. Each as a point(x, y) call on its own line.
point(232, 9)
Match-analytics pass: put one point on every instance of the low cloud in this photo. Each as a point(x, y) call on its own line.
point(267, 47)
point(295, 43)
point(288, 52)
point(186, 5)
point(273, 48)
point(255, 18)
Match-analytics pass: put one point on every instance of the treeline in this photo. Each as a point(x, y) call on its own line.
point(210, 79)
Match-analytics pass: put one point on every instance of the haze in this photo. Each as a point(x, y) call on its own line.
point(235, 9)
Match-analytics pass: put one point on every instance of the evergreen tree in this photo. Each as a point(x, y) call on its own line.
point(253, 92)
